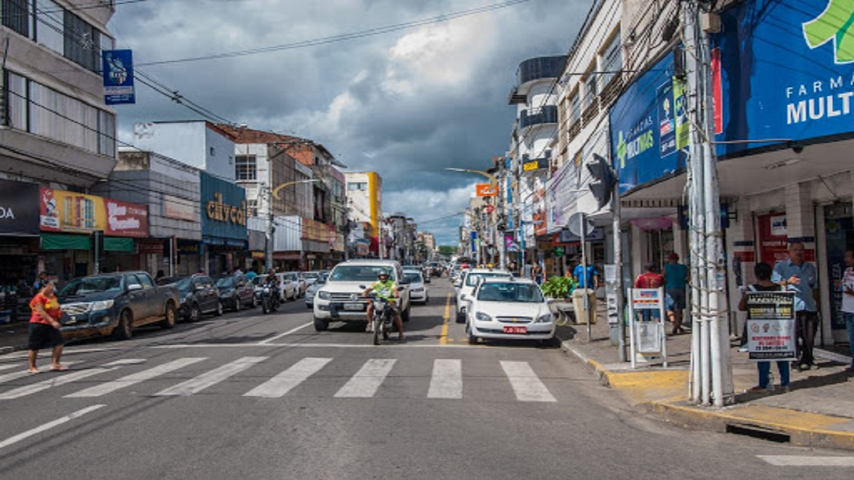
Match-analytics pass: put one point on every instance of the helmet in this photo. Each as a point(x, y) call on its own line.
point(382, 273)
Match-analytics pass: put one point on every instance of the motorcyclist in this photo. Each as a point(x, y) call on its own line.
point(386, 289)
point(272, 281)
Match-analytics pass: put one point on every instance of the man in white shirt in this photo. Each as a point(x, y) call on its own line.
point(847, 286)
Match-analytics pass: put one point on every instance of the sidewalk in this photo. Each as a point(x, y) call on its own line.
point(818, 411)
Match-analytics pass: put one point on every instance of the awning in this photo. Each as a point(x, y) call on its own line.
point(58, 241)
point(118, 244)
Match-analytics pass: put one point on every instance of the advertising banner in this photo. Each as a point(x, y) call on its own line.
point(649, 127)
point(486, 190)
point(19, 208)
point(125, 219)
point(771, 326)
point(773, 240)
point(787, 71)
point(117, 68)
point(71, 212)
point(223, 207)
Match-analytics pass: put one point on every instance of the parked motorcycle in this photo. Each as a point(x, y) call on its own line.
point(269, 298)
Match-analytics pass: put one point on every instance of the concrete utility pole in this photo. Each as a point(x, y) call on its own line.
point(711, 372)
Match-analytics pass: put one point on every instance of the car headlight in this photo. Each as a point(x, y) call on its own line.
point(102, 305)
point(482, 317)
point(547, 318)
point(323, 295)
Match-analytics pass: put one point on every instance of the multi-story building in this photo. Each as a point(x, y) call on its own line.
point(364, 203)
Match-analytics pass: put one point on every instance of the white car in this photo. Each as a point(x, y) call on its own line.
point(501, 308)
point(298, 280)
point(418, 291)
point(312, 276)
point(469, 280)
point(340, 299)
point(287, 289)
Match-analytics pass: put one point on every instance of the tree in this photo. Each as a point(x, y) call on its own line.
point(447, 250)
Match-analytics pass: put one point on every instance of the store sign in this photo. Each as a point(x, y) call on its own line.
point(178, 208)
point(773, 241)
point(223, 206)
point(486, 190)
point(71, 212)
point(771, 326)
point(223, 212)
point(117, 68)
point(649, 127)
point(19, 211)
point(787, 72)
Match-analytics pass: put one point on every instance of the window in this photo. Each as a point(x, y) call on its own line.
point(213, 151)
point(574, 108)
point(81, 42)
point(612, 59)
point(106, 133)
point(253, 208)
point(244, 167)
point(17, 113)
point(357, 186)
point(49, 25)
point(590, 89)
point(16, 16)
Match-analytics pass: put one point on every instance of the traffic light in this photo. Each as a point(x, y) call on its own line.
point(604, 179)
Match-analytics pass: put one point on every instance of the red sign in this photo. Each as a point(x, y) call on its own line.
point(126, 219)
point(489, 208)
point(72, 212)
point(717, 97)
point(150, 247)
point(486, 190)
point(773, 238)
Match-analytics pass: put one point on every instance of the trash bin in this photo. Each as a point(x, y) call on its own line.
point(581, 315)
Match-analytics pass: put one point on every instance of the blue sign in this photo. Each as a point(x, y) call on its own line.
point(649, 128)
point(786, 72)
point(117, 68)
point(223, 205)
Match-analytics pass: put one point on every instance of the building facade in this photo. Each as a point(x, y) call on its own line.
point(364, 204)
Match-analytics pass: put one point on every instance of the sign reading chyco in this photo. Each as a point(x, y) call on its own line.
point(787, 71)
point(649, 127)
point(223, 210)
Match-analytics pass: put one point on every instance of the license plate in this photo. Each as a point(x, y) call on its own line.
point(354, 307)
point(516, 330)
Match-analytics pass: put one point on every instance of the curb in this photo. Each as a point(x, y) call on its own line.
point(752, 420)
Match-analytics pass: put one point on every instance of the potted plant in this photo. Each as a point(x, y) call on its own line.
point(558, 288)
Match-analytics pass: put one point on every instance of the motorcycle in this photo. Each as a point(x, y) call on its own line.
point(269, 299)
point(383, 318)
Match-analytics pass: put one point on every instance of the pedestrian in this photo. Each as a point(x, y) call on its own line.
point(160, 275)
point(800, 276)
point(537, 273)
point(44, 328)
point(762, 271)
point(584, 280)
point(251, 274)
point(847, 287)
point(675, 279)
point(649, 279)
point(41, 279)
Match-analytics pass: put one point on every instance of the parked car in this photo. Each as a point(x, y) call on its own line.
point(198, 296)
point(115, 304)
point(340, 298)
point(312, 276)
point(418, 291)
point(235, 292)
point(468, 282)
point(313, 288)
point(297, 277)
point(506, 308)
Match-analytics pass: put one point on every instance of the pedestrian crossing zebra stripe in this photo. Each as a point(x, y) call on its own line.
point(55, 381)
point(205, 380)
point(526, 385)
point(367, 380)
point(110, 387)
point(9, 367)
point(284, 382)
point(8, 377)
point(447, 379)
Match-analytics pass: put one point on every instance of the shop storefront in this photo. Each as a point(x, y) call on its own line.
point(224, 232)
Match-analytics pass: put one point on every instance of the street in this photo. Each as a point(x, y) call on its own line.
point(254, 396)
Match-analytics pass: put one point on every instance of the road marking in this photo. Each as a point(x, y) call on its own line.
point(47, 426)
point(126, 361)
point(205, 380)
point(447, 379)
point(316, 345)
point(367, 380)
point(132, 379)
point(804, 461)
point(443, 337)
point(265, 342)
point(282, 383)
point(8, 377)
point(10, 366)
point(526, 385)
point(57, 380)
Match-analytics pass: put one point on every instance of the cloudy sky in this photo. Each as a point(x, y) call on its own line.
point(405, 103)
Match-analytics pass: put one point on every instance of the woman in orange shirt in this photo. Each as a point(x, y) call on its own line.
point(44, 327)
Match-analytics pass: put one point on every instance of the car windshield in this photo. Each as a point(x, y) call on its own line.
point(184, 284)
point(225, 282)
point(472, 278)
point(509, 292)
point(85, 286)
point(413, 277)
point(357, 273)
point(308, 275)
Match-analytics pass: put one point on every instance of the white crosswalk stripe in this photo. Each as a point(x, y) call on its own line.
point(8, 377)
point(526, 385)
point(447, 379)
point(110, 387)
point(367, 380)
point(205, 380)
point(284, 382)
point(55, 381)
point(9, 366)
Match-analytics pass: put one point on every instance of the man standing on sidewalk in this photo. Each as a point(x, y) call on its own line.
point(586, 284)
point(847, 286)
point(799, 276)
point(675, 279)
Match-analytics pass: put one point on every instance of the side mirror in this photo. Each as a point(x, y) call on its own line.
point(134, 287)
point(464, 297)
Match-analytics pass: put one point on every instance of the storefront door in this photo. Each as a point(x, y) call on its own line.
point(839, 230)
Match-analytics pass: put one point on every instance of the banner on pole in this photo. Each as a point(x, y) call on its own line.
point(486, 190)
point(771, 326)
point(117, 68)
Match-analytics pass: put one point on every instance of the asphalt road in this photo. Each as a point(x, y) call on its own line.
point(252, 396)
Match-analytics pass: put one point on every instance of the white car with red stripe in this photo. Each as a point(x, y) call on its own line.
point(509, 309)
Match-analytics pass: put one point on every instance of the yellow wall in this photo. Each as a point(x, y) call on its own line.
point(375, 185)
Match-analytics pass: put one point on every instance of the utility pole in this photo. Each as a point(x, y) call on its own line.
point(711, 370)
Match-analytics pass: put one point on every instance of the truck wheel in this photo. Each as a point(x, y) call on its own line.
point(169, 319)
point(320, 324)
point(124, 330)
point(237, 305)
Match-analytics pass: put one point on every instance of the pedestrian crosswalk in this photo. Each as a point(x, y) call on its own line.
point(263, 378)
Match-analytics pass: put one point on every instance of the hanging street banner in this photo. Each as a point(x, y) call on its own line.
point(649, 127)
point(771, 326)
point(117, 68)
point(486, 190)
point(786, 72)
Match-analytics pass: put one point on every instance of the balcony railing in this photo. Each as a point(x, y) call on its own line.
point(540, 68)
point(538, 116)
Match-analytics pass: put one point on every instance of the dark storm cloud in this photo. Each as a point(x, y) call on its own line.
point(406, 104)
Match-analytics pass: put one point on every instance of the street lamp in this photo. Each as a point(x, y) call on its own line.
point(491, 177)
point(274, 193)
